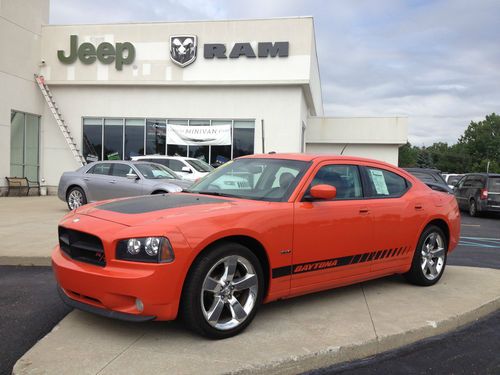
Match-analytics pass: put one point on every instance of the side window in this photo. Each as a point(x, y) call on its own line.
point(121, 170)
point(102, 169)
point(384, 183)
point(175, 165)
point(345, 178)
point(91, 169)
point(468, 181)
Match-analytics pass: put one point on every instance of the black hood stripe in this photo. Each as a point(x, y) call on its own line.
point(150, 203)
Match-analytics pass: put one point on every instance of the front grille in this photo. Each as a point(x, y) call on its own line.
point(81, 246)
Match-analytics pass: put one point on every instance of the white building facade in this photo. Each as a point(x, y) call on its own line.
point(120, 86)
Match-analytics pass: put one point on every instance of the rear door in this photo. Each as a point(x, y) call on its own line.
point(395, 217)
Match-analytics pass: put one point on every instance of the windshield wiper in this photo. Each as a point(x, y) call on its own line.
point(216, 193)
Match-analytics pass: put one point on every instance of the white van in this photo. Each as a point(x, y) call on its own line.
point(188, 168)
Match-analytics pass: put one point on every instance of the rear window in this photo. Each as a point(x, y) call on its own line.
point(494, 184)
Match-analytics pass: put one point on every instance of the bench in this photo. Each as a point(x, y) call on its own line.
point(21, 184)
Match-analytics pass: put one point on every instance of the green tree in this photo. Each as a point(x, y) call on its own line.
point(481, 141)
point(408, 155)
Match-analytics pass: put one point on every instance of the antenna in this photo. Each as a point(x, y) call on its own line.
point(342, 152)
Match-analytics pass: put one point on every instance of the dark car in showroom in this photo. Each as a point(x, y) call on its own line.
point(479, 192)
point(431, 177)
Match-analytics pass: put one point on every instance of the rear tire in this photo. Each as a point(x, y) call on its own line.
point(75, 198)
point(430, 256)
point(223, 291)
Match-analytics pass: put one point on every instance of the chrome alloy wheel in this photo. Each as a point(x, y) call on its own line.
point(229, 292)
point(75, 199)
point(433, 256)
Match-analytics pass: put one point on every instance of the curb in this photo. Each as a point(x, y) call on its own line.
point(360, 350)
point(25, 261)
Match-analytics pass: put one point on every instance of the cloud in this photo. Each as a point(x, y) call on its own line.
point(437, 62)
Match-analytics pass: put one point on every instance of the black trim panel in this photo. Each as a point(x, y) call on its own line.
point(103, 312)
point(338, 262)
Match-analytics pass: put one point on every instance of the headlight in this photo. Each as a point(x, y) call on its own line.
point(145, 249)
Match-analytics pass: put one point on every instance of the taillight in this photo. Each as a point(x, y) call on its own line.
point(484, 194)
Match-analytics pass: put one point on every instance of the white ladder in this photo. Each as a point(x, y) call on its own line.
point(60, 121)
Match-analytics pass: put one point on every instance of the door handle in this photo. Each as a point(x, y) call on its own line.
point(112, 182)
point(364, 211)
point(419, 207)
point(86, 179)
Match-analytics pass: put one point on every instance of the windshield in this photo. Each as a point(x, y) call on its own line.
point(494, 184)
point(200, 165)
point(259, 179)
point(155, 171)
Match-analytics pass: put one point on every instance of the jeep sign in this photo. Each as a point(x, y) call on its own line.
point(121, 53)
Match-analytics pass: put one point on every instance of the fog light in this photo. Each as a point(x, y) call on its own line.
point(139, 305)
point(152, 246)
point(133, 246)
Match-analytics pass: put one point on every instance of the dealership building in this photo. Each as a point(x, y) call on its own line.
point(112, 91)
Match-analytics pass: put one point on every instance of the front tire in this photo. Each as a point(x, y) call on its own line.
point(223, 291)
point(76, 198)
point(430, 257)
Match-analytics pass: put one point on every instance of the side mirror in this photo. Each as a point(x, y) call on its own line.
point(186, 169)
point(132, 176)
point(323, 191)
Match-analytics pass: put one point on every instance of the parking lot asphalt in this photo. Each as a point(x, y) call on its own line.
point(29, 308)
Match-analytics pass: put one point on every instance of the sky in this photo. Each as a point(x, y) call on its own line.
point(437, 62)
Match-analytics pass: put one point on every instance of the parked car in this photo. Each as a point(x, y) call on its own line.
point(188, 168)
point(117, 179)
point(431, 177)
point(305, 224)
point(479, 192)
point(452, 179)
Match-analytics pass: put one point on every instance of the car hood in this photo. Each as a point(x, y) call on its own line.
point(173, 208)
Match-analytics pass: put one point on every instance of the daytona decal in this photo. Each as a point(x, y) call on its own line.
point(338, 262)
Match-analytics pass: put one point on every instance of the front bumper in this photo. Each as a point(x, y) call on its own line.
point(112, 290)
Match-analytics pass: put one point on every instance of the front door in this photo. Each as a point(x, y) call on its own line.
point(119, 185)
point(332, 239)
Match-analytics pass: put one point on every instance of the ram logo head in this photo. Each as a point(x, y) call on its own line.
point(183, 49)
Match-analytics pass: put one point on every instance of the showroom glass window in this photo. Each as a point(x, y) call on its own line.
point(243, 138)
point(24, 145)
point(92, 139)
point(199, 152)
point(156, 137)
point(134, 137)
point(124, 138)
point(177, 150)
point(113, 139)
point(220, 153)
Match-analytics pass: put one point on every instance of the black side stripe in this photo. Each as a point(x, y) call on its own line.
point(337, 262)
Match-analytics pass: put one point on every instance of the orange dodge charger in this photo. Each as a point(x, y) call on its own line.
point(257, 229)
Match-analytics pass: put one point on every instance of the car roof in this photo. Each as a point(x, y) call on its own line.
point(163, 157)
point(483, 174)
point(316, 157)
point(415, 169)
